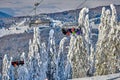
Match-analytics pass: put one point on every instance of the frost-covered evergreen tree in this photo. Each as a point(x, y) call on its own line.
point(114, 15)
point(83, 21)
point(7, 69)
point(61, 74)
point(78, 58)
point(82, 15)
point(108, 45)
point(89, 46)
point(22, 57)
point(35, 63)
point(52, 57)
point(80, 48)
point(23, 73)
point(44, 59)
point(11, 70)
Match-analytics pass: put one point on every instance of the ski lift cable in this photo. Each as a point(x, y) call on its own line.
point(89, 22)
point(94, 19)
point(83, 4)
point(35, 6)
point(79, 7)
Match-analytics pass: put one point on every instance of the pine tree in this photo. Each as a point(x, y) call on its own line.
point(52, 57)
point(5, 69)
point(44, 59)
point(107, 52)
point(79, 51)
point(34, 62)
point(78, 58)
point(23, 73)
point(11, 70)
point(61, 61)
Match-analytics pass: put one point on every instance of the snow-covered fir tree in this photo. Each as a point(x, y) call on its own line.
point(87, 37)
point(46, 63)
point(61, 74)
point(22, 71)
point(7, 69)
point(35, 64)
point(5, 73)
point(52, 57)
point(44, 59)
point(22, 57)
point(108, 45)
point(78, 58)
point(11, 70)
point(84, 23)
point(79, 51)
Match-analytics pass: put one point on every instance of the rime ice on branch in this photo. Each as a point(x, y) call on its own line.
point(108, 45)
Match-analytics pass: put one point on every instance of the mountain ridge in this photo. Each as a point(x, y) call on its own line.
point(4, 15)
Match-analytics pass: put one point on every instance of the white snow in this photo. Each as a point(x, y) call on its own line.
point(95, 26)
point(104, 77)
point(14, 29)
point(51, 32)
point(46, 62)
point(56, 23)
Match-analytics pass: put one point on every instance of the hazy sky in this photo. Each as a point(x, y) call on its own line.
point(23, 7)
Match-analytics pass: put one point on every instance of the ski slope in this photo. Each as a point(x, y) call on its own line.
point(21, 28)
point(12, 30)
point(17, 29)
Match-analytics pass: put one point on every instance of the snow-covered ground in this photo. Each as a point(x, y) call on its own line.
point(94, 26)
point(14, 29)
point(104, 77)
point(21, 28)
point(79, 56)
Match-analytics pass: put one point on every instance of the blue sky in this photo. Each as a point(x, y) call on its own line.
point(23, 7)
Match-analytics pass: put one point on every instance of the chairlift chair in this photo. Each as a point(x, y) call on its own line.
point(38, 22)
point(17, 63)
point(71, 28)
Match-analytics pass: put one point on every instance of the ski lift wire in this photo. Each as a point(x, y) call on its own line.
point(35, 6)
point(81, 4)
point(79, 7)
